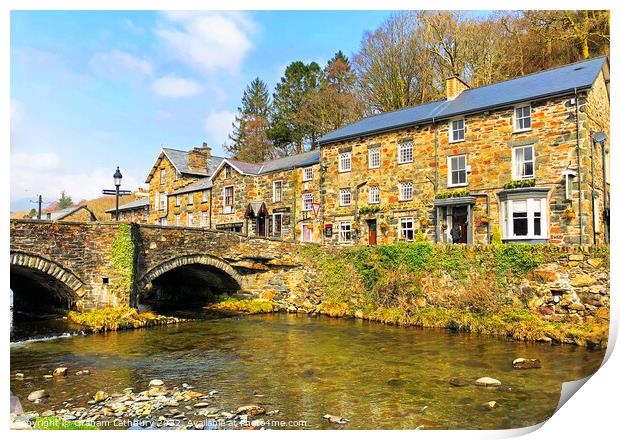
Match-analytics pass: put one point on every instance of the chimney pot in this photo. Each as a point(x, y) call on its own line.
point(455, 86)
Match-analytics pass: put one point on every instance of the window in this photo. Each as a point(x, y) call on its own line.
point(406, 191)
point(306, 234)
point(156, 200)
point(523, 118)
point(163, 200)
point(276, 225)
point(406, 229)
point(405, 152)
point(308, 174)
point(457, 170)
point(344, 163)
point(307, 199)
point(457, 130)
point(177, 219)
point(190, 198)
point(190, 219)
point(523, 162)
point(162, 176)
point(346, 232)
point(374, 196)
point(204, 218)
point(164, 221)
point(524, 218)
point(229, 199)
point(177, 200)
point(374, 157)
point(345, 197)
point(205, 196)
point(277, 191)
point(226, 172)
point(132, 215)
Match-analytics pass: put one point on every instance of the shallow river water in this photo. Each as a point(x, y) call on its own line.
point(377, 376)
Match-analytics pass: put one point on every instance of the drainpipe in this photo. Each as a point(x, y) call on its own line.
point(593, 193)
point(356, 215)
point(295, 212)
point(605, 205)
point(578, 167)
point(210, 208)
point(436, 185)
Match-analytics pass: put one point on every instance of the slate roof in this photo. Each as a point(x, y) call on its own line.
point(198, 185)
point(180, 161)
point(552, 82)
point(62, 213)
point(283, 163)
point(134, 204)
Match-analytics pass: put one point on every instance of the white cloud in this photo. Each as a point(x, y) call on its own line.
point(218, 124)
point(36, 162)
point(173, 86)
point(116, 63)
point(208, 41)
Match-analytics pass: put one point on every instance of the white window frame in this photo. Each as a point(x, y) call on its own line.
point(345, 192)
point(205, 196)
point(517, 119)
point(374, 195)
point(177, 220)
point(344, 159)
point(227, 171)
point(308, 174)
point(228, 208)
point(204, 217)
point(507, 219)
point(374, 155)
point(450, 169)
point(515, 174)
point(402, 230)
point(156, 199)
point(177, 200)
point(190, 219)
point(452, 130)
point(190, 198)
point(275, 199)
point(401, 147)
point(163, 200)
point(163, 221)
point(307, 199)
point(306, 227)
point(162, 176)
point(345, 236)
point(401, 193)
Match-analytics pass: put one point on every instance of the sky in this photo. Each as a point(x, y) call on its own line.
point(93, 90)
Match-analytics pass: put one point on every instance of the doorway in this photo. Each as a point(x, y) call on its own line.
point(459, 219)
point(372, 231)
point(262, 226)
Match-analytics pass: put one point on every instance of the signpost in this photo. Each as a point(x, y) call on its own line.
point(316, 208)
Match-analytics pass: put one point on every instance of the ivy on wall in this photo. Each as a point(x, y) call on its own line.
point(123, 250)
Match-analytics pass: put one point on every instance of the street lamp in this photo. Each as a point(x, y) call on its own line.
point(117, 183)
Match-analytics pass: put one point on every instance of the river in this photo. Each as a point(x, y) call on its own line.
point(374, 375)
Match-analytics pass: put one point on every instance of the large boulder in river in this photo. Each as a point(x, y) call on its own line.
point(526, 364)
point(156, 383)
point(38, 395)
point(60, 372)
point(251, 410)
point(487, 382)
point(100, 396)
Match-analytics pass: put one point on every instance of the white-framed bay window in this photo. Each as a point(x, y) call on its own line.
point(523, 161)
point(457, 170)
point(524, 218)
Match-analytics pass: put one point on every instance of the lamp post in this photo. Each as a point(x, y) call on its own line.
point(117, 183)
point(601, 138)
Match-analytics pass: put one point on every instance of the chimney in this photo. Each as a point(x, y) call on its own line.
point(454, 87)
point(199, 158)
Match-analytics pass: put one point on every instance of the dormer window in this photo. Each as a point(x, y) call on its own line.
point(523, 118)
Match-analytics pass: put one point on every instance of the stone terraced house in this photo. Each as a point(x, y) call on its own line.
point(518, 156)
point(522, 158)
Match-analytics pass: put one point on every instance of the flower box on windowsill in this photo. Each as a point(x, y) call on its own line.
point(523, 183)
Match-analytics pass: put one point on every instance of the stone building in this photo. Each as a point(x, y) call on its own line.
point(270, 199)
point(81, 213)
point(177, 184)
point(136, 211)
point(516, 157)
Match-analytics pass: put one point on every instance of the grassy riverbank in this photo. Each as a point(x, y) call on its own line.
point(119, 318)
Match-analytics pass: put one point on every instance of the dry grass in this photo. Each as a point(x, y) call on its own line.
point(118, 318)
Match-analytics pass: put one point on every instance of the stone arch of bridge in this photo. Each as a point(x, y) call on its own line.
point(32, 273)
point(205, 270)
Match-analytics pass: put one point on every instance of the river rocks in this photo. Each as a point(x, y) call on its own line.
point(487, 382)
point(490, 405)
point(82, 372)
point(16, 406)
point(19, 376)
point(47, 413)
point(335, 419)
point(156, 383)
point(459, 382)
point(251, 410)
point(100, 396)
point(60, 372)
point(201, 404)
point(38, 395)
point(526, 364)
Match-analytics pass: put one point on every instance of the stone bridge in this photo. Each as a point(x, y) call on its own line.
point(85, 266)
